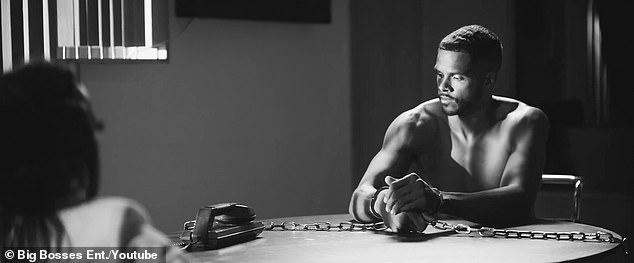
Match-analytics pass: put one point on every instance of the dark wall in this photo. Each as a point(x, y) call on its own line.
point(553, 66)
point(385, 47)
point(552, 60)
point(616, 22)
point(552, 63)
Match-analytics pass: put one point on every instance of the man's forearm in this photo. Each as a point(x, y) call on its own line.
point(360, 204)
point(500, 206)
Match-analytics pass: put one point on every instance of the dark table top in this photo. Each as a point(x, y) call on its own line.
point(433, 245)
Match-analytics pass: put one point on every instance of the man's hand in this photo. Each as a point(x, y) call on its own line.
point(410, 193)
point(401, 221)
point(404, 222)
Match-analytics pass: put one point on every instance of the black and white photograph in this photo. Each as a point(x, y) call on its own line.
point(316, 131)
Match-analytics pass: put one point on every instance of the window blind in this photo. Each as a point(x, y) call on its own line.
point(82, 30)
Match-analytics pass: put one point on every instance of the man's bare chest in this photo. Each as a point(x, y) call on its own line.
point(455, 164)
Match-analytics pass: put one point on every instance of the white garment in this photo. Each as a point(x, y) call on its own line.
point(113, 222)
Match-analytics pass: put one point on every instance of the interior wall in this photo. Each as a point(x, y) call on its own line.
point(552, 73)
point(385, 44)
point(244, 111)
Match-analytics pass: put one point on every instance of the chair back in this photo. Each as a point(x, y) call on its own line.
point(575, 183)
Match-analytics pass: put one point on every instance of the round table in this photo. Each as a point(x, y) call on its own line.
point(432, 246)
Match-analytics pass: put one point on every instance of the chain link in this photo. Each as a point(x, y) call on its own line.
point(598, 236)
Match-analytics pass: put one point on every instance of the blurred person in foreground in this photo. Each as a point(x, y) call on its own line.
point(49, 171)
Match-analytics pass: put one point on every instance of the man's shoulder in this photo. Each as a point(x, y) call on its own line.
point(514, 112)
point(414, 126)
point(423, 116)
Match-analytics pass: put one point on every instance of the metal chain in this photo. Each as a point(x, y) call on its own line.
point(318, 226)
point(324, 226)
point(598, 236)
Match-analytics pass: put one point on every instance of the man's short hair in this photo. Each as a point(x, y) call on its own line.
point(478, 41)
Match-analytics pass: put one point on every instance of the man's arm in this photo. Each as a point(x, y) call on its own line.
point(395, 157)
point(513, 201)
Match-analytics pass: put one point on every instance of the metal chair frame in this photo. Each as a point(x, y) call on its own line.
point(566, 179)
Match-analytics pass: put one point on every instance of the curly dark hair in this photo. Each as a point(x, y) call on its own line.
point(49, 157)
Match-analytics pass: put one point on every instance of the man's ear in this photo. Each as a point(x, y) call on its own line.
point(489, 80)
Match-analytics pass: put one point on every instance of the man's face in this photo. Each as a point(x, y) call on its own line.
point(460, 82)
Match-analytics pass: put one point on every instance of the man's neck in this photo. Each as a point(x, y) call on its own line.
point(472, 124)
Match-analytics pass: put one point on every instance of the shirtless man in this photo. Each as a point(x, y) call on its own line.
point(480, 156)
